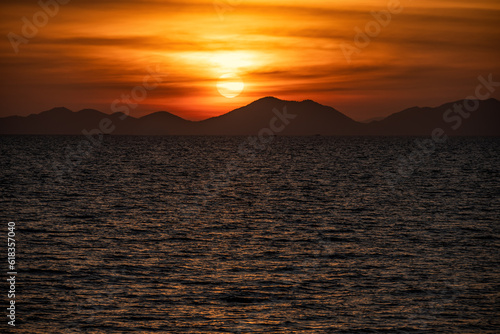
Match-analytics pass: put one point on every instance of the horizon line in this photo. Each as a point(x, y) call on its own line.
point(263, 98)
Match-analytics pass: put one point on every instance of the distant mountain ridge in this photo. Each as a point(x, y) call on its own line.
point(289, 118)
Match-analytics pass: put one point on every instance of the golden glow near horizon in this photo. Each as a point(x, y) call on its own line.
point(90, 53)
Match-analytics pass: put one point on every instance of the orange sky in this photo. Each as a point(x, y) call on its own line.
point(92, 52)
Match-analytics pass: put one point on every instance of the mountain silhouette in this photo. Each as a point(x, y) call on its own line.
point(267, 116)
point(418, 121)
point(309, 118)
point(158, 123)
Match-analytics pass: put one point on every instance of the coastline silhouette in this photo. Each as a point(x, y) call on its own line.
point(309, 119)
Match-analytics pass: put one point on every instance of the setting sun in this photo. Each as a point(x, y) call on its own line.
point(319, 50)
point(230, 85)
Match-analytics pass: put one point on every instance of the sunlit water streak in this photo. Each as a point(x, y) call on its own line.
point(148, 235)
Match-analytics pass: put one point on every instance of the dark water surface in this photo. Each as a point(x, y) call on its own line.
point(303, 235)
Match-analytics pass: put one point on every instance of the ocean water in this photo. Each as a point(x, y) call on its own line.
point(213, 235)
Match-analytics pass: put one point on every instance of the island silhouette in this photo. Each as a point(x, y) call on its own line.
point(288, 118)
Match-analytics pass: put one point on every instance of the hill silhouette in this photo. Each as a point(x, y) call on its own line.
point(309, 118)
point(291, 118)
point(418, 121)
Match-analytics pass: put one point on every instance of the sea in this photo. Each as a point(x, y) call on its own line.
point(125, 234)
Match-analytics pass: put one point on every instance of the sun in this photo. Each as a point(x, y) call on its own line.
point(230, 85)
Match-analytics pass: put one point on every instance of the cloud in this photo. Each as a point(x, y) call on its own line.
point(290, 48)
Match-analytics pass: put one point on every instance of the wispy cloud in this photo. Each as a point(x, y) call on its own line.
point(91, 50)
